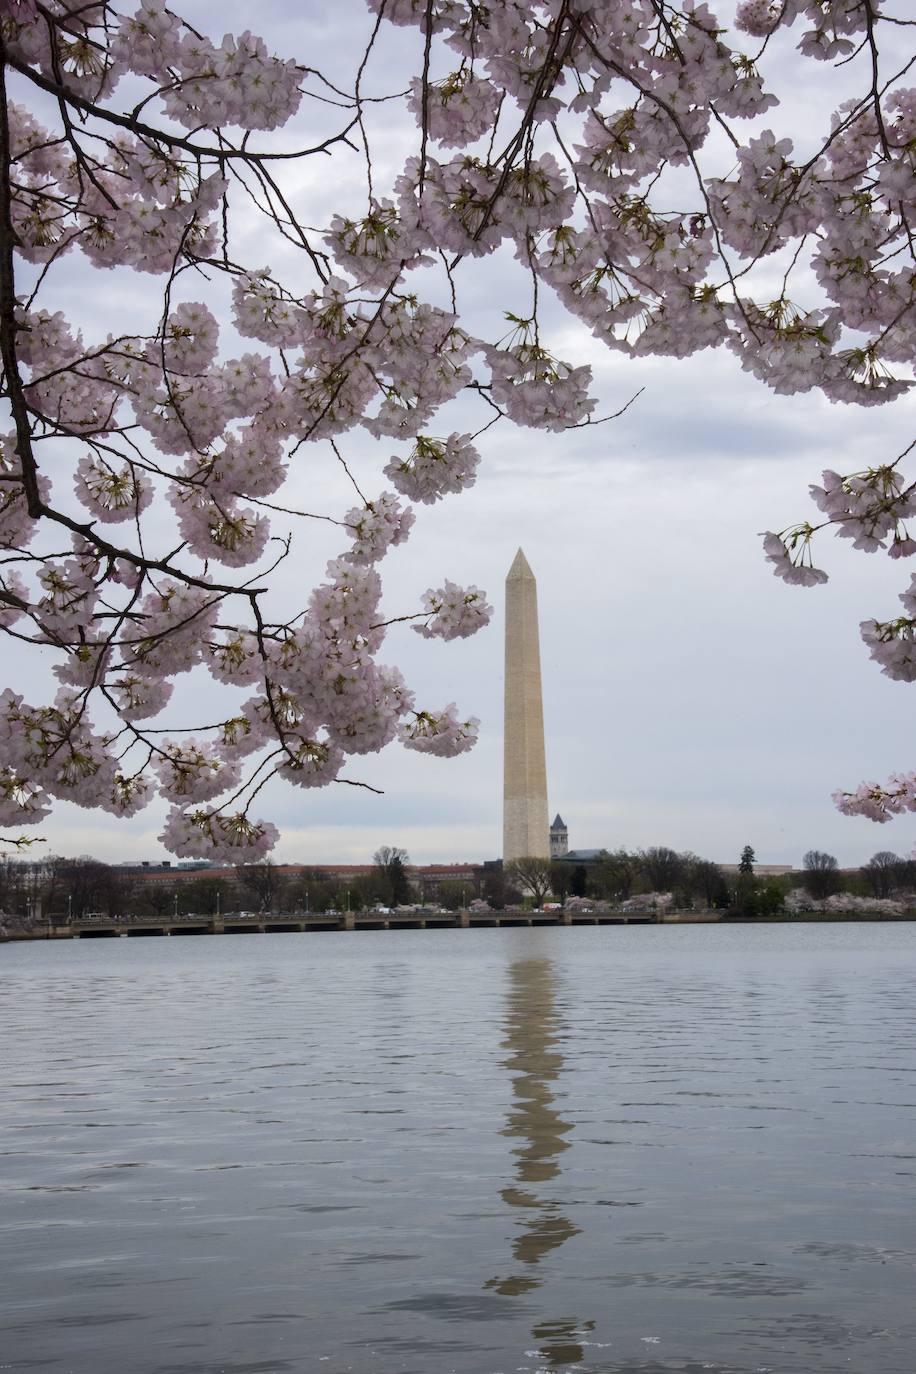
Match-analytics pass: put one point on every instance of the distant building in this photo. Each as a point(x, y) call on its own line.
point(583, 856)
point(559, 838)
point(156, 865)
point(760, 870)
point(425, 880)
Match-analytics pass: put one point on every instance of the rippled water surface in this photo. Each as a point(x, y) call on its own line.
point(490, 1152)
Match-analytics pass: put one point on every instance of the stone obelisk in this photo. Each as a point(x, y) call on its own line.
point(525, 827)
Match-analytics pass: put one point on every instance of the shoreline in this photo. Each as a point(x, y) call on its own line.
point(276, 923)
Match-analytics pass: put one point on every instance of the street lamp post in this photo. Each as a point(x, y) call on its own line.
point(306, 901)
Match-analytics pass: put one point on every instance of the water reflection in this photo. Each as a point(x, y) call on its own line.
point(532, 1031)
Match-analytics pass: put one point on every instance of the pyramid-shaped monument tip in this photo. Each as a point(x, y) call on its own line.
point(520, 567)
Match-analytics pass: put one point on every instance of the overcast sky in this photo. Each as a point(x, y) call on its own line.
point(691, 699)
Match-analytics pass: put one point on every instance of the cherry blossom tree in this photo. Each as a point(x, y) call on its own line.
point(618, 151)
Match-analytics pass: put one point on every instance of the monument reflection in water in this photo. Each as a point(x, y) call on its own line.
point(531, 1033)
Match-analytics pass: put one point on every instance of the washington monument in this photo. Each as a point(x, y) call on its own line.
point(525, 829)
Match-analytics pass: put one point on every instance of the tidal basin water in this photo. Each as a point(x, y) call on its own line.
point(632, 1151)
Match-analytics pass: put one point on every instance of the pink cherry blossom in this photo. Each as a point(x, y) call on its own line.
point(435, 467)
point(454, 612)
point(442, 733)
point(787, 555)
point(161, 464)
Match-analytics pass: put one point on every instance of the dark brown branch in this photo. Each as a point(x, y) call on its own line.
point(147, 131)
point(8, 326)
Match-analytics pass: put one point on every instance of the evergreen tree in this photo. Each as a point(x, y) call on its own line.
point(748, 859)
point(391, 863)
point(398, 881)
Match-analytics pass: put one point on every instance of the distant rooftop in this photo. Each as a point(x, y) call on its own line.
point(181, 864)
point(761, 870)
point(558, 823)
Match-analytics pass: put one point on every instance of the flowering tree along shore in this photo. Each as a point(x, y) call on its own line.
point(618, 148)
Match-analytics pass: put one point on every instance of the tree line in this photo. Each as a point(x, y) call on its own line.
point(617, 875)
point(59, 888)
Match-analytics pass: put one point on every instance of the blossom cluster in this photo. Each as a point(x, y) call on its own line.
point(892, 643)
point(444, 734)
point(454, 612)
point(435, 467)
point(870, 509)
point(798, 901)
point(879, 803)
point(790, 556)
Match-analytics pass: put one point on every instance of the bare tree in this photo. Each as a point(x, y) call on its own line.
point(76, 886)
point(452, 894)
point(615, 874)
point(264, 881)
point(386, 854)
point(205, 895)
point(822, 874)
point(8, 882)
point(662, 868)
point(882, 872)
point(23, 885)
point(531, 874)
point(499, 889)
point(707, 881)
point(158, 898)
point(561, 875)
